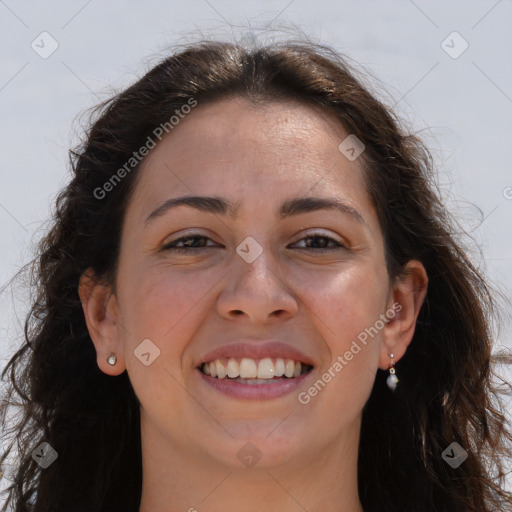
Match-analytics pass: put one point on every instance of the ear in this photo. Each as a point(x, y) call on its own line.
point(101, 316)
point(406, 300)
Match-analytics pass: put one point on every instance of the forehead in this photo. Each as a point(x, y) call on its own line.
point(252, 152)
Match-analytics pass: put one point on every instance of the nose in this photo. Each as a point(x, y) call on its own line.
point(257, 291)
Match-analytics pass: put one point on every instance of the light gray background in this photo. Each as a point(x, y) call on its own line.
point(462, 106)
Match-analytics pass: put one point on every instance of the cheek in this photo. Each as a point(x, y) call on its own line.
point(361, 298)
point(346, 302)
point(160, 304)
point(160, 299)
point(346, 308)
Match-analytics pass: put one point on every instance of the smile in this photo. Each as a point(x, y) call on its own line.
point(246, 378)
point(254, 370)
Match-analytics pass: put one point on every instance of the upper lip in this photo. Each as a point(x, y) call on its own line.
point(256, 349)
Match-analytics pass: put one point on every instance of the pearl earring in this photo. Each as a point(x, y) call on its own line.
point(112, 360)
point(392, 379)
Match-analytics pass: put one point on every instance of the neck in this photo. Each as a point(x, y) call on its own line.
point(176, 479)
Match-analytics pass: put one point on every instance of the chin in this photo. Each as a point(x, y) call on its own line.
point(262, 445)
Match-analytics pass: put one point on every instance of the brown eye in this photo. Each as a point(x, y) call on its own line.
point(320, 243)
point(187, 243)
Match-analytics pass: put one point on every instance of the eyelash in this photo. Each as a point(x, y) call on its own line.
point(170, 246)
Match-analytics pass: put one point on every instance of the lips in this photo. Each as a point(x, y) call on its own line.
point(271, 369)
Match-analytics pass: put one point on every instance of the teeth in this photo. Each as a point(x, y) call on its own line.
point(265, 369)
point(221, 369)
point(233, 369)
point(246, 368)
point(279, 367)
point(289, 367)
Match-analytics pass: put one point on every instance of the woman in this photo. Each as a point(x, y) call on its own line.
point(252, 299)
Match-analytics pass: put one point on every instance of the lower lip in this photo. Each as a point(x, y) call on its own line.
point(273, 389)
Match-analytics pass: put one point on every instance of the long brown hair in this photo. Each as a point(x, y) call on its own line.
point(92, 420)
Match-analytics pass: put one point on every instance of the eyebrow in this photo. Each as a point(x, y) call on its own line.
point(219, 205)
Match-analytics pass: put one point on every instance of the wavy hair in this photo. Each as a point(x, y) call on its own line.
point(92, 420)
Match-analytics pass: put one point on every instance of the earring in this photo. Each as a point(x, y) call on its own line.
point(392, 379)
point(112, 360)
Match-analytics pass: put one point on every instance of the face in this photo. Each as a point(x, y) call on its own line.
point(194, 279)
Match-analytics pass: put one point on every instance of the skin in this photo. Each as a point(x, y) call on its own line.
point(191, 303)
